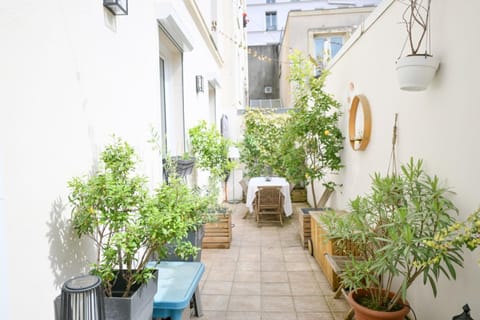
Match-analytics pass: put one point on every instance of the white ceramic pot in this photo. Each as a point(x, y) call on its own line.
point(415, 72)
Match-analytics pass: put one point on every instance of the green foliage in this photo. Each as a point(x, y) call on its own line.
point(128, 225)
point(465, 233)
point(312, 129)
point(211, 150)
point(391, 228)
point(260, 149)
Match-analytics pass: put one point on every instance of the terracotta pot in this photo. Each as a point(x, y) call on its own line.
point(363, 313)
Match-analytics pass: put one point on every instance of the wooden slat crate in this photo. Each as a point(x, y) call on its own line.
point(322, 246)
point(299, 195)
point(218, 234)
point(304, 226)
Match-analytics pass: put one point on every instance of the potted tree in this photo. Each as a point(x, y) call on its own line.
point(391, 229)
point(416, 70)
point(312, 128)
point(128, 225)
point(210, 149)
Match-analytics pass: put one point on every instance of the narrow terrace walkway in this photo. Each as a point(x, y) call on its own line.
point(266, 274)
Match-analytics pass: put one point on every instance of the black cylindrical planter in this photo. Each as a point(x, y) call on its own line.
point(82, 299)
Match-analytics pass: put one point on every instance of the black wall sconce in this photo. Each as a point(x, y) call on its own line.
point(117, 7)
point(199, 83)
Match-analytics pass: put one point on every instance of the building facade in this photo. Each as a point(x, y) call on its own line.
point(319, 35)
point(267, 20)
point(74, 74)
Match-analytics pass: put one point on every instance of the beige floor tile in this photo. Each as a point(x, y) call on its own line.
point(249, 266)
point(243, 315)
point(219, 265)
point(244, 303)
point(305, 288)
point(272, 257)
point(272, 250)
point(301, 276)
point(294, 250)
point(277, 304)
point(212, 302)
point(315, 316)
point(337, 305)
point(220, 275)
point(217, 287)
point(291, 242)
point(266, 274)
point(298, 266)
point(247, 276)
point(310, 304)
point(279, 315)
point(213, 315)
point(274, 276)
point(249, 257)
point(275, 289)
point(273, 266)
point(246, 289)
point(295, 257)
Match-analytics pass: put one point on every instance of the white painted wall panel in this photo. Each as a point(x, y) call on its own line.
point(438, 125)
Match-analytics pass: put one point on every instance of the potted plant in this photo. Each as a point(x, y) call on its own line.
point(211, 151)
point(260, 149)
point(182, 166)
point(312, 128)
point(390, 229)
point(128, 225)
point(416, 70)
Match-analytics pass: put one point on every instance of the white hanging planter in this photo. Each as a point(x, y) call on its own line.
point(415, 72)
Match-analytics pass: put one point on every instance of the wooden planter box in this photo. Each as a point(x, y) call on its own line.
point(304, 226)
point(322, 246)
point(218, 234)
point(299, 195)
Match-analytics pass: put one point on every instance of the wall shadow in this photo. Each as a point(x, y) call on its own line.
point(68, 254)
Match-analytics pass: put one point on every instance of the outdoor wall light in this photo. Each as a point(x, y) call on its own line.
point(117, 7)
point(199, 83)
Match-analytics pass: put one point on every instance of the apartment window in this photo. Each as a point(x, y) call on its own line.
point(163, 108)
point(271, 20)
point(327, 46)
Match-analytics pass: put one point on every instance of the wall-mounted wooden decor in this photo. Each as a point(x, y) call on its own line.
point(359, 141)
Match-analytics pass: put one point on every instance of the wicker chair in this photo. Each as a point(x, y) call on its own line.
point(268, 204)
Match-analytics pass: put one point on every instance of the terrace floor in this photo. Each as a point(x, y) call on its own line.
point(266, 274)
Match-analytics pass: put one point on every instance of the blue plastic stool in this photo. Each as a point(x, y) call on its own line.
point(177, 285)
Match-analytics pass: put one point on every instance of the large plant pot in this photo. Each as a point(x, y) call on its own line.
point(218, 234)
point(363, 313)
point(139, 306)
point(195, 237)
point(183, 167)
point(415, 72)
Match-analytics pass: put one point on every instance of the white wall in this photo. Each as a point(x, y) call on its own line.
point(439, 125)
point(72, 75)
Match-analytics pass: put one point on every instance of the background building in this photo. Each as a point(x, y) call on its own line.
point(265, 29)
point(319, 35)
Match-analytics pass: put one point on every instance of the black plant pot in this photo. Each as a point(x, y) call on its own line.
point(195, 237)
point(183, 167)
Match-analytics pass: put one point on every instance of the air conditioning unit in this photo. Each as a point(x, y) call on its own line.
point(268, 89)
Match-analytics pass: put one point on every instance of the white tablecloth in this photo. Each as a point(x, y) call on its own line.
point(256, 182)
